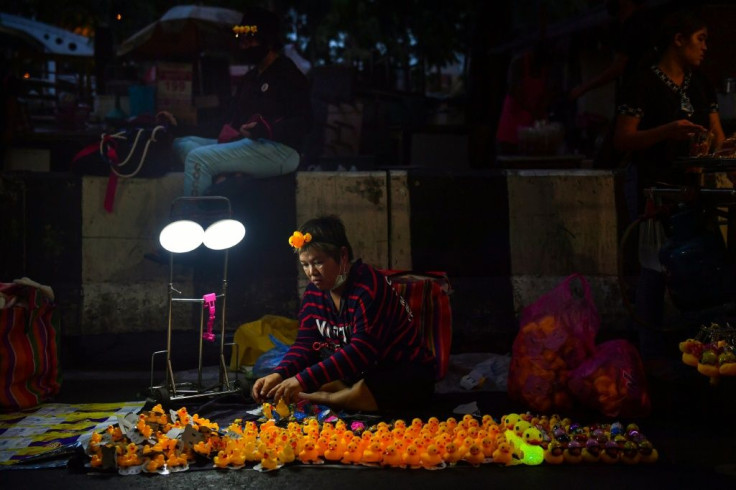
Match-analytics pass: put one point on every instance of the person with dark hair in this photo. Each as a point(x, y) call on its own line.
point(667, 102)
point(531, 89)
point(662, 107)
point(267, 121)
point(357, 347)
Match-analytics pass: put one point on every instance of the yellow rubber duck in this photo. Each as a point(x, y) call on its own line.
point(374, 452)
point(392, 457)
point(573, 453)
point(352, 454)
point(221, 460)
point(452, 454)
point(503, 454)
point(412, 457)
point(269, 461)
point(630, 453)
point(610, 453)
point(431, 457)
point(283, 409)
point(286, 455)
point(333, 452)
point(310, 453)
point(475, 455)
point(591, 451)
point(648, 453)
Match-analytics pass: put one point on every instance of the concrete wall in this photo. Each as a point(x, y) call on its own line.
point(559, 222)
point(564, 222)
point(122, 291)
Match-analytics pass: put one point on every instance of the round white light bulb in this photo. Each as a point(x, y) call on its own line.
point(181, 236)
point(224, 234)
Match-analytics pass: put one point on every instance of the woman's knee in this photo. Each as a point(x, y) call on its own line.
point(360, 397)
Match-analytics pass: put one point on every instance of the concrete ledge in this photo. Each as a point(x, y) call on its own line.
point(504, 238)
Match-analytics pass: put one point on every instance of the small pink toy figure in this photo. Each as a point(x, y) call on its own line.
point(209, 302)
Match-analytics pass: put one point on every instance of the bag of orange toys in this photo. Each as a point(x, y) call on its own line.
point(613, 381)
point(557, 333)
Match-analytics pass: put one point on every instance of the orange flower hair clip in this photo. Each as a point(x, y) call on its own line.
point(238, 30)
point(297, 239)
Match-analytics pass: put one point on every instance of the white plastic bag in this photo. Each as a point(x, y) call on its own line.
point(651, 239)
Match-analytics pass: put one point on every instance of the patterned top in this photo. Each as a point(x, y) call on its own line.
point(374, 325)
point(656, 100)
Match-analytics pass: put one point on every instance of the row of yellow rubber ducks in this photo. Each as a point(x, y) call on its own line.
point(434, 444)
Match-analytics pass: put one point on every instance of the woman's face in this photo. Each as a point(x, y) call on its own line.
point(321, 269)
point(692, 49)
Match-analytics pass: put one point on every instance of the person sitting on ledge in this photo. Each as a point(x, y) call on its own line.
point(267, 121)
point(357, 347)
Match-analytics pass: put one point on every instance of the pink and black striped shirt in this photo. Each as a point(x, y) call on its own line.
point(374, 325)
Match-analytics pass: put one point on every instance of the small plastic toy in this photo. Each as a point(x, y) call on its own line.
point(475, 455)
point(209, 302)
point(392, 457)
point(503, 454)
point(431, 457)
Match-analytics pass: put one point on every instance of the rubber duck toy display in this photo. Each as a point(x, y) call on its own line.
point(352, 454)
point(412, 456)
point(334, 452)
point(269, 461)
point(431, 457)
point(573, 453)
point(373, 454)
point(503, 454)
point(452, 453)
point(610, 453)
point(554, 453)
point(648, 453)
point(630, 453)
point(287, 455)
point(392, 457)
point(310, 453)
point(591, 451)
point(475, 455)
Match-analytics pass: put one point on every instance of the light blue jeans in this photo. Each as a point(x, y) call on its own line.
point(204, 159)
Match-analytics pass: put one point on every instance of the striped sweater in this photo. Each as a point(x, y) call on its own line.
point(374, 325)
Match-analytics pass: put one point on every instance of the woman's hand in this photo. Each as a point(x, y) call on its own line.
point(264, 385)
point(288, 389)
point(628, 136)
point(682, 129)
point(245, 128)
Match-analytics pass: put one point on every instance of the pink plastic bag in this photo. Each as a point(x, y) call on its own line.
point(612, 381)
point(557, 333)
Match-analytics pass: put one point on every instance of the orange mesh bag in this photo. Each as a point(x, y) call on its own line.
point(556, 334)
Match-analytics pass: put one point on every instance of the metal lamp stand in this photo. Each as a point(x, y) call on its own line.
point(171, 391)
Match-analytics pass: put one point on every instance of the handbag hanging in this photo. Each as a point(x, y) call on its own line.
point(126, 154)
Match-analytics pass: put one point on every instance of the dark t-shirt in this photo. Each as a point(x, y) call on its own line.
point(656, 100)
point(280, 95)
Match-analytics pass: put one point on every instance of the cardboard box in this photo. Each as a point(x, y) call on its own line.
point(174, 91)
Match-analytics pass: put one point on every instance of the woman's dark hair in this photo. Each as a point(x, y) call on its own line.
point(328, 235)
point(685, 22)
